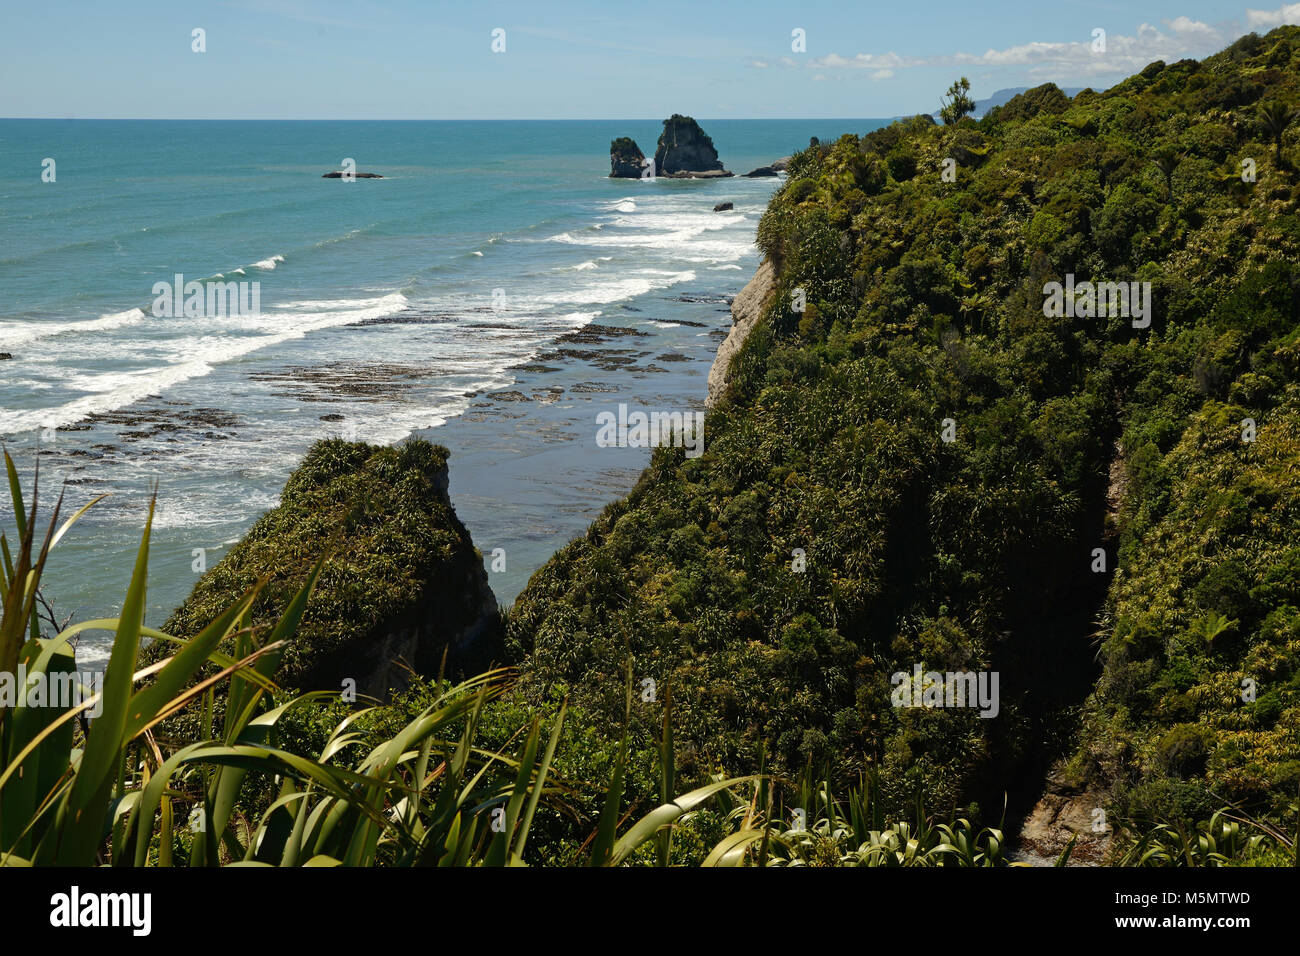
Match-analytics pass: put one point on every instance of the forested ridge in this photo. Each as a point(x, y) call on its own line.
point(830, 536)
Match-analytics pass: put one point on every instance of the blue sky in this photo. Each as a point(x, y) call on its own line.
point(403, 59)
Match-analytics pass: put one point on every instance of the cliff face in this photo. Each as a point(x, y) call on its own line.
point(626, 161)
point(686, 150)
point(403, 581)
point(745, 311)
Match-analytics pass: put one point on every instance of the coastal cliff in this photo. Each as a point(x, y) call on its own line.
point(746, 308)
point(911, 474)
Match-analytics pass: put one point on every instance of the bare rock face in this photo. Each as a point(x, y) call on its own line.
point(686, 151)
point(777, 166)
point(1063, 814)
point(745, 311)
point(626, 161)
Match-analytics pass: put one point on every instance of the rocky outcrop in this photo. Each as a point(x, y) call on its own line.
point(723, 206)
point(402, 584)
point(686, 151)
point(776, 168)
point(699, 174)
point(626, 161)
point(339, 175)
point(1065, 813)
point(745, 311)
point(4, 356)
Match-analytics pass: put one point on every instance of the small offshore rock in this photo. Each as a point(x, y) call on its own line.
point(723, 207)
point(626, 161)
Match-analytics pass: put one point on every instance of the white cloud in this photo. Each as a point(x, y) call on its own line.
point(759, 65)
point(1182, 37)
point(866, 61)
point(1268, 19)
point(1186, 26)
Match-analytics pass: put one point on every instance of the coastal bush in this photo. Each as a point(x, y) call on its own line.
point(423, 792)
point(400, 576)
point(925, 305)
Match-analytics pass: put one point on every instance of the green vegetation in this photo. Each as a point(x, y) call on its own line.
point(921, 468)
point(401, 577)
point(925, 303)
point(423, 795)
point(957, 103)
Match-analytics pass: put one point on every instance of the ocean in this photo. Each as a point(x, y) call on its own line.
point(493, 293)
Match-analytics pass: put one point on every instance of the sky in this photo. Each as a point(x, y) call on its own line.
point(562, 59)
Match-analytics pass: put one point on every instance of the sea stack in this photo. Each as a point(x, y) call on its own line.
point(686, 152)
point(626, 161)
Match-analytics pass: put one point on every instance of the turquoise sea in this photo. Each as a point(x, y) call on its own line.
point(388, 307)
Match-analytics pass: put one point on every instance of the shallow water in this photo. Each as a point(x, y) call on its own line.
point(435, 301)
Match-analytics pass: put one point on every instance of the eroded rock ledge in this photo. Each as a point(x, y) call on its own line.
point(745, 311)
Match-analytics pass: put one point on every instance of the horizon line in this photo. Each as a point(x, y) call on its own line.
point(346, 119)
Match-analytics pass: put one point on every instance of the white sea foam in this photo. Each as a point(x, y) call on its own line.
point(14, 334)
point(268, 264)
point(195, 357)
point(638, 238)
point(627, 286)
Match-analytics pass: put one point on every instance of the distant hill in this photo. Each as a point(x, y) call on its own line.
point(1002, 96)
